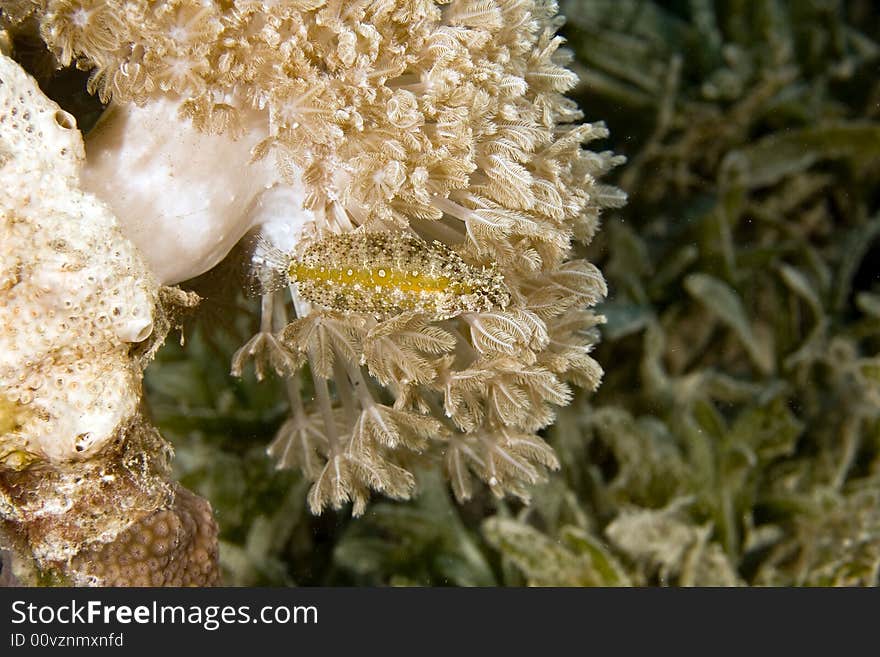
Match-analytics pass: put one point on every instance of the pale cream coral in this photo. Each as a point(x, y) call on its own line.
point(182, 196)
point(81, 472)
point(74, 294)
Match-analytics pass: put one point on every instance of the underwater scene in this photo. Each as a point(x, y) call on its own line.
point(440, 293)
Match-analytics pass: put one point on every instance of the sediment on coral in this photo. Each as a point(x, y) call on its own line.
point(58, 508)
point(115, 520)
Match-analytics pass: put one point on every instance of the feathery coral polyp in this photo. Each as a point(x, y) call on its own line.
point(414, 122)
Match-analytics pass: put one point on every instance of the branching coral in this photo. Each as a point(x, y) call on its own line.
point(80, 315)
point(412, 120)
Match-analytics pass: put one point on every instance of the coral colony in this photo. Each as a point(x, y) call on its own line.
point(84, 479)
point(417, 180)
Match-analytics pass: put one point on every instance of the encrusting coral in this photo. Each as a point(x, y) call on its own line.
point(80, 315)
point(416, 120)
point(73, 300)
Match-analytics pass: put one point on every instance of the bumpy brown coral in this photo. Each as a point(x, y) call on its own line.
point(176, 546)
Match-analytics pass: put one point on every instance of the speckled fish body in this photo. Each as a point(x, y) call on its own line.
point(388, 273)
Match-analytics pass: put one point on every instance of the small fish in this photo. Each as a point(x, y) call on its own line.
point(383, 273)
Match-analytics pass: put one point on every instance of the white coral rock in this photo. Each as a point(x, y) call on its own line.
point(186, 197)
point(74, 292)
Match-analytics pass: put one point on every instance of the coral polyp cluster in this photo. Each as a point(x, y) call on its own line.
point(174, 546)
point(441, 122)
